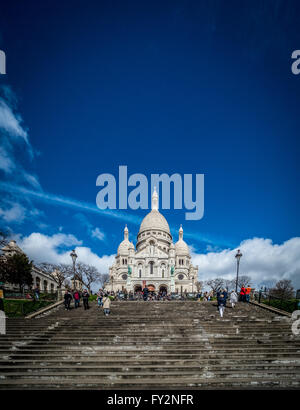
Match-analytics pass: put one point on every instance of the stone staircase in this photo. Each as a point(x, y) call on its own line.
point(151, 345)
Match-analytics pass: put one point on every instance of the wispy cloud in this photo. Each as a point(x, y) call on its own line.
point(68, 202)
point(13, 137)
point(13, 213)
point(11, 123)
point(94, 232)
point(88, 207)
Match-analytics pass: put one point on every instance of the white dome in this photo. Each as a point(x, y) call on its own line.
point(154, 220)
point(181, 248)
point(123, 247)
point(125, 244)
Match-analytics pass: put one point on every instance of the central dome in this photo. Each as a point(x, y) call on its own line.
point(154, 220)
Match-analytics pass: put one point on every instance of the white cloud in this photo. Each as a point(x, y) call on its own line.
point(31, 179)
point(6, 163)
point(44, 248)
point(16, 213)
point(102, 263)
point(96, 233)
point(262, 260)
point(57, 248)
point(11, 123)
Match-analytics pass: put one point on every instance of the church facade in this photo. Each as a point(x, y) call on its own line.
point(155, 261)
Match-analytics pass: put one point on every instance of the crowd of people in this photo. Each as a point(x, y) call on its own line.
point(104, 298)
point(222, 297)
point(77, 296)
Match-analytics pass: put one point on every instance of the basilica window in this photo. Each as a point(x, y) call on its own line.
point(151, 267)
point(181, 276)
point(140, 273)
point(163, 273)
point(124, 277)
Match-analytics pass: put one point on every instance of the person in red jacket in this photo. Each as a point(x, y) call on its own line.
point(247, 293)
point(243, 294)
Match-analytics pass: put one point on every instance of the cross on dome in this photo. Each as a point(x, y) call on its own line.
point(126, 232)
point(180, 232)
point(154, 204)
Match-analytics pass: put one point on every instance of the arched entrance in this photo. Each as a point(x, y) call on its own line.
point(163, 289)
point(138, 288)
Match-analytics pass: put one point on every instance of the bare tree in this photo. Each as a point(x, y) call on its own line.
point(283, 289)
point(54, 271)
point(103, 279)
point(66, 270)
point(215, 284)
point(243, 280)
point(199, 285)
point(229, 284)
point(87, 274)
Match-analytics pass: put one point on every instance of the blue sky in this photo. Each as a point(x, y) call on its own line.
point(173, 86)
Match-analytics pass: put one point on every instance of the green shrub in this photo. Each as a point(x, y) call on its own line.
point(92, 298)
point(286, 305)
point(23, 307)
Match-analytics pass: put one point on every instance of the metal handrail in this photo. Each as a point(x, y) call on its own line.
point(267, 296)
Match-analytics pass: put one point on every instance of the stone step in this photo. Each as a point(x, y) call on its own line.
point(150, 383)
point(147, 361)
point(151, 345)
point(190, 368)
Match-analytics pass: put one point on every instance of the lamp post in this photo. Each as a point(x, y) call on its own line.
point(238, 257)
point(74, 257)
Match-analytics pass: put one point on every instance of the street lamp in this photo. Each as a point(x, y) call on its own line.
point(74, 257)
point(238, 257)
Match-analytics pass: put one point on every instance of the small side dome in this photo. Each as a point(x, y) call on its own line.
point(180, 246)
point(123, 247)
point(125, 244)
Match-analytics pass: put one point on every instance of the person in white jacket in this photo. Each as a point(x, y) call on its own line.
point(106, 305)
point(233, 298)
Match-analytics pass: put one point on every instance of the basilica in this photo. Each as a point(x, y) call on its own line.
point(155, 261)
